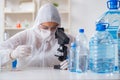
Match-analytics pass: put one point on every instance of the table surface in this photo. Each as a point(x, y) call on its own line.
point(54, 74)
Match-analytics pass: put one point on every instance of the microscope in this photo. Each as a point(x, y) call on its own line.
point(62, 40)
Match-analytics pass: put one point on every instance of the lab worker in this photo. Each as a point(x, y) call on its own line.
point(37, 46)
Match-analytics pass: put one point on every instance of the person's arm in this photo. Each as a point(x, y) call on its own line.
point(7, 47)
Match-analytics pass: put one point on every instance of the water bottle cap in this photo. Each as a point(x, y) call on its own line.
point(113, 4)
point(81, 30)
point(73, 44)
point(100, 27)
point(114, 0)
point(14, 63)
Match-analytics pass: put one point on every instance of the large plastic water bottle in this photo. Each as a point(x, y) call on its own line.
point(112, 16)
point(119, 49)
point(102, 51)
point(72, 58)
point(81, 52)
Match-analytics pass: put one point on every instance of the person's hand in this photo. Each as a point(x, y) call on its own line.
point(21, 51)
point(64, 65)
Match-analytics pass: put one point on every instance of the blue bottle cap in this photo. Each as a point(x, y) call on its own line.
point(14, 63)
point(81, 30)
point(113, 4)
point(73, 44)
point(100, 27)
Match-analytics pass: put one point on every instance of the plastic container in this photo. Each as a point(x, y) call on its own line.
point(118, 34)
point(72, 58)
point(0, 64)
point(6, 35)
point(112, 16)
point(102, 51)
point(81, 52)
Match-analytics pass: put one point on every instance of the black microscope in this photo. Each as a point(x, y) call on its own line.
point(62, 40)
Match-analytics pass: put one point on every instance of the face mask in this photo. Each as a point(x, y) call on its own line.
point(45, 34)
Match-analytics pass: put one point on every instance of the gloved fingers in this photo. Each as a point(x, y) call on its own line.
point(26, 49)
point(23, 53)
point(19, 52)
point(21, 56)
point(65, 61)
point(64, 66)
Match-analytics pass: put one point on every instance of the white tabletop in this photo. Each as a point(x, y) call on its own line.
point(53, 74)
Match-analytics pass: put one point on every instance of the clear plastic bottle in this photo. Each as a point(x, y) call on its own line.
point(0, 63)
point(81, 52)
point(72, 57)
point(6, 35)
point(102, 51)
point(112, 16)
point(118, 49)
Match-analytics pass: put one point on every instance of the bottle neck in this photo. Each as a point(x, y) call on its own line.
point(113, 7)
point(81, 34)
point(100, 31)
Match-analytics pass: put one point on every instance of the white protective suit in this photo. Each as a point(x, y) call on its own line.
point(43, 50)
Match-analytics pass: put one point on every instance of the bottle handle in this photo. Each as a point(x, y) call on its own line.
point(119, 4)
point(108, 4)
point(106, 24)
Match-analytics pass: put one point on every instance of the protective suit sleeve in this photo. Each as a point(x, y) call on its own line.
point(7, 47)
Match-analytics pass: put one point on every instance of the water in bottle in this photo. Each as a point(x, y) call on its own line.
point(72, 57)
point(119, 49)
point(81, 52)
point(112, 16)
point(102, 51)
